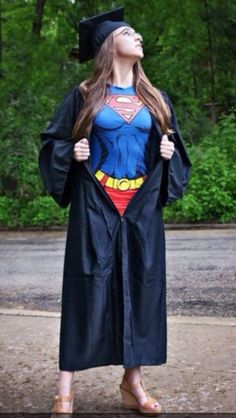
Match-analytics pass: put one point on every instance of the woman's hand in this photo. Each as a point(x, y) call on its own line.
point(81, 150)
point(166, 148)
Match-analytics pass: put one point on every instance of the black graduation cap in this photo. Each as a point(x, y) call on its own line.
point(94, 30)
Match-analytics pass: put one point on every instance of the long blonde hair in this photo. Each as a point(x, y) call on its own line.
point(94, 91)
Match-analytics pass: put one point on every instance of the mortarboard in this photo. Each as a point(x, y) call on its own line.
point(94, 30)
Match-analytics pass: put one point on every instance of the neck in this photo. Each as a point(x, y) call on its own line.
point(122, 74)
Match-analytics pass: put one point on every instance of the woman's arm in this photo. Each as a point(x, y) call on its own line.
point(177, 170)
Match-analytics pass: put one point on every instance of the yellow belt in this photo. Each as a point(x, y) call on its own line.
point(121, 184)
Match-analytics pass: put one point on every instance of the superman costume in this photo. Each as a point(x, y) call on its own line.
point(118, 144)
point(114, 280)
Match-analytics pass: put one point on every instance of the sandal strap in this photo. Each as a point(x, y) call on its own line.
point(136, 385)
point(64, 398)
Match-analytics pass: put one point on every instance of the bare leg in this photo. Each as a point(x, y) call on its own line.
point(65, 382)
point(64, 388)
point(133, 375)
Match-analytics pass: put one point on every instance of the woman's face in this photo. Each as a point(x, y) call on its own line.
point(127, 43)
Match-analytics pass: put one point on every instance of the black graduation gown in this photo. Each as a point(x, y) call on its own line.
point(114, 282)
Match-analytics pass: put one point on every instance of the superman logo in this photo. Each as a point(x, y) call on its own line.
point(126, 106)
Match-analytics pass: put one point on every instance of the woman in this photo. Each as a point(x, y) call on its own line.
point(114, 152)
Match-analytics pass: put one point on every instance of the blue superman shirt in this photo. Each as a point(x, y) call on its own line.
point(119, 136)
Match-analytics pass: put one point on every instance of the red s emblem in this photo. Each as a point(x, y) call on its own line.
point(126, 106)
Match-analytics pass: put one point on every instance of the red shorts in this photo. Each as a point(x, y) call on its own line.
point(120, 198)
point(118, 190)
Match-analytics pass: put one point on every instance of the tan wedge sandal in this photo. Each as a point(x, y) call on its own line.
point(130, 401)
point(59, 400)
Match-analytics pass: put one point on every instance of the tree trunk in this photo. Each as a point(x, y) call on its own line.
point(210, 61)
point(37, 24)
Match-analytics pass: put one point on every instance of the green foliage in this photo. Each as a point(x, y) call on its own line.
point(9, 212)
point(211, 194)
point(181, 39)
point(41, 212)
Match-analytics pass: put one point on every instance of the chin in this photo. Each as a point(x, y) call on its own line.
point(139, 56)
point(132, 53)
point(140, 53)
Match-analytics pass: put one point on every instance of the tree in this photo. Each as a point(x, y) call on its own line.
point(37, 24)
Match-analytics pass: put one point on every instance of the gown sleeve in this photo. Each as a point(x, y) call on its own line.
point(56, 154)
point(176, 171)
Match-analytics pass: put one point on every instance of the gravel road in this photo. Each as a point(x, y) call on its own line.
point(201, 267)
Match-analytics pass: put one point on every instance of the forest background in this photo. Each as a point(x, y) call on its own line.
point(190, 52)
